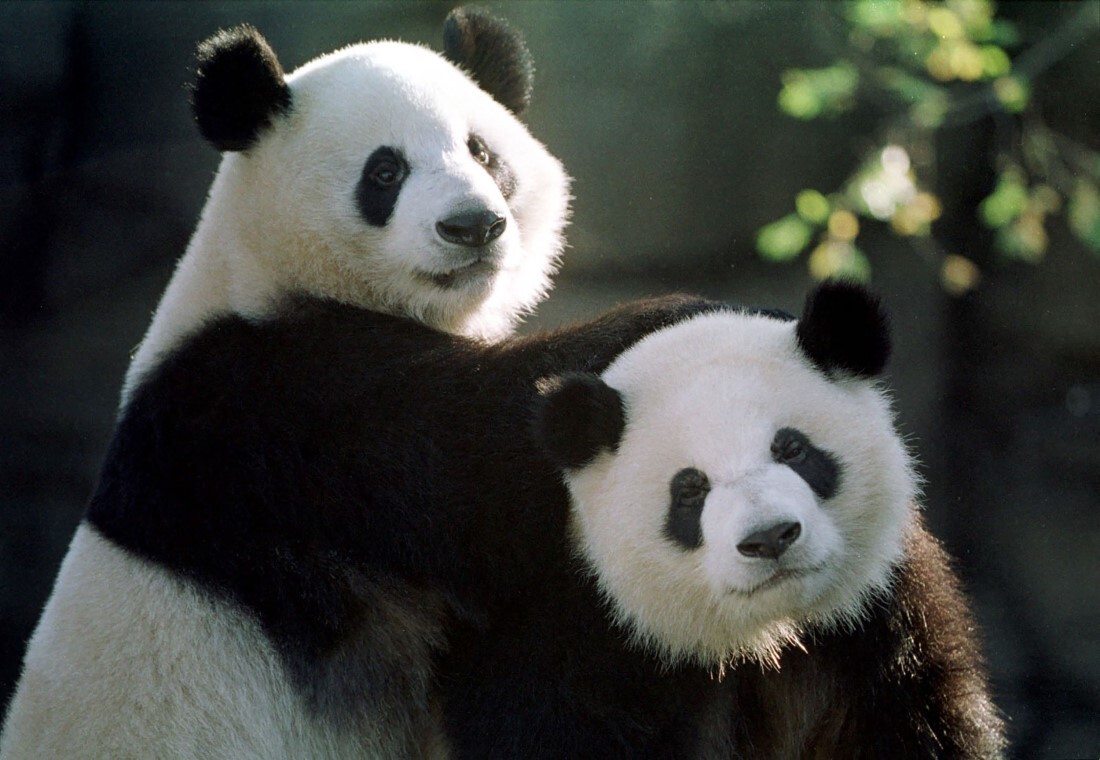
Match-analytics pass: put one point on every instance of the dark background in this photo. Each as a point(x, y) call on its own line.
point(665, 114)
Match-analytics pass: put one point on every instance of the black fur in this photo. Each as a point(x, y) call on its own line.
point(551, 678)
point(909, 683)
point(239, 88)
point(818, 468)
point(380, 184)
point(352, 480)
point(493, 53)
point(368, 489)
point(687, 496)
point(844, 328)
point(578, 416)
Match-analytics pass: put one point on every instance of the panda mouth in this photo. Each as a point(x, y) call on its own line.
point(778, 578)
point(467, 274)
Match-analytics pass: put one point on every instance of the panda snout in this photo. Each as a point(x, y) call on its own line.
point(472, 229)
point(770, 542)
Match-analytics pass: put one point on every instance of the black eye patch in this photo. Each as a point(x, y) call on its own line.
point(818, 468)
point(376, 194)
point(497, 168)
point(688, 491)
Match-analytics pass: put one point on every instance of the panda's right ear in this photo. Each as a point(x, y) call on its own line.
point(239, 88)
point(577, 416)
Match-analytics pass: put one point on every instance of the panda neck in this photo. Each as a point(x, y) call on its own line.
point(204, 285)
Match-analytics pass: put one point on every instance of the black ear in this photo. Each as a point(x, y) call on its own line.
point(239, 88)
point(493, 53)
point(843, 327)
point(577, 415)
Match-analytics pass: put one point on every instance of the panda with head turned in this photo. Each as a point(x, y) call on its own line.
point(383, 176)
point(744, 508)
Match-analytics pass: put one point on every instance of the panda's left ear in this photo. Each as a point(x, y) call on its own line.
point(493, 53)
point(577, 416)
point(239, 88)
point(844, 328)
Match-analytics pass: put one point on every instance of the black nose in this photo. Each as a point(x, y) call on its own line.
point(473, 229)
point(770, 542)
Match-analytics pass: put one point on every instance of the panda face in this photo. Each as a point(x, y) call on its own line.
point(383, 175)
point(689, 488)
point(396, 183)
point(749, 496)
point(380, 175)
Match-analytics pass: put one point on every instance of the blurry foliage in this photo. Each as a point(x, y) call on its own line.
point(936, 63)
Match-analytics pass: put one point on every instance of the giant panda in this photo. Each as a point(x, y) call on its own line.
point(293, 515)
point(743, 504)
point(382, 176)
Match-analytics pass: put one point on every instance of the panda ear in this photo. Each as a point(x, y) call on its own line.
point(239, 88)
point(493, 53)
point(844, 328)
point(577, 416)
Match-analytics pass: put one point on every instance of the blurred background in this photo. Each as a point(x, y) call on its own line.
point(947, 152)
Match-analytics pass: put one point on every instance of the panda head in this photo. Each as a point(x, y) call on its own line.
point(737, 479)
point(384, 175)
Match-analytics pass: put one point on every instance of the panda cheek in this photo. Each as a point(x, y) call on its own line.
point(504, 177)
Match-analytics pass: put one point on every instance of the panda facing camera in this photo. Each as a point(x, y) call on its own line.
point(778, 496)
point(744, 572)
point(383, 175)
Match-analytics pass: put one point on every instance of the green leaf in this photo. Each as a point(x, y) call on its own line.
point(1004, 33)
point(812, 206)
point(784, 239)
point(1084, 214)
point(1025, 239)
point(1012, 92)
point(799, 99)
point(995, 62)
point(881, 17)
point(909, 88)
point(930, 112)
point(808, 93)
point(1006, 203)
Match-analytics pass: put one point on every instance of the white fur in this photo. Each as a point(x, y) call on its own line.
point(281, 217)
point(711, 393)
point(122, 640)
point(130, 661)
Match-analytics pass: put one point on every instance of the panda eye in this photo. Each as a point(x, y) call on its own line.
point(821, 470)
point(788, 448)
point(683, 526)
point(386, 173)
point(478, 150)
point(689, 488)
point(385, 169)
point(793, 451)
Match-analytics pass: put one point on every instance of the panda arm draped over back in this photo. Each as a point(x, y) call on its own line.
point(739, 495)
point(291, 515)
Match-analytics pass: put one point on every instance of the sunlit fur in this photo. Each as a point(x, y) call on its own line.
point(81, 696)
point(282, 216)
point(711, 393)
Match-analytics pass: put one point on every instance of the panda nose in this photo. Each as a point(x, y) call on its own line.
point(770, 543)
point(472, 229)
